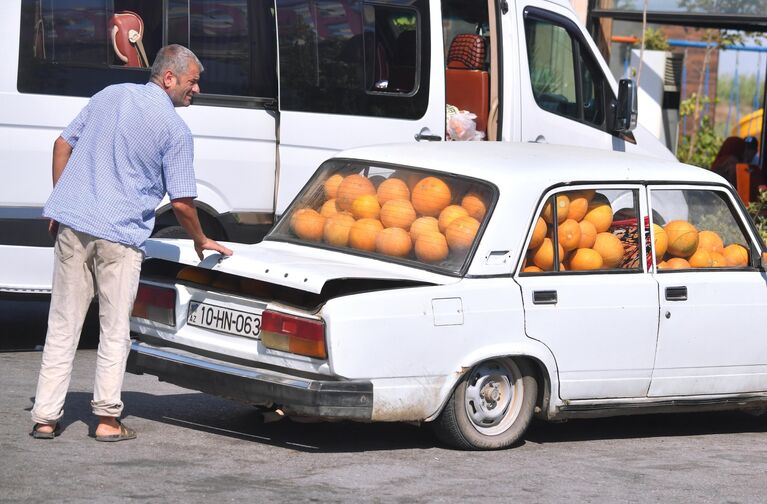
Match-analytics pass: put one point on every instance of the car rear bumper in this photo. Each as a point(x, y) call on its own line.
point(351, 399)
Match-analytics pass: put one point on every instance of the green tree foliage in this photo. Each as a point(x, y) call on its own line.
point(757, 209)
point(707, 142)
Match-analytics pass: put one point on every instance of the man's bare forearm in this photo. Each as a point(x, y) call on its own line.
point(61, 154)
point(186, 213)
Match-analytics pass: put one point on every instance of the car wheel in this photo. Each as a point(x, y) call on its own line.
point(490, 407)
point(171, 232)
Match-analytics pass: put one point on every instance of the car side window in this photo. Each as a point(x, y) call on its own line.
point(586, 230)
point(354, 57)
point(565, 78)
point(694, 229)
point(78, 47)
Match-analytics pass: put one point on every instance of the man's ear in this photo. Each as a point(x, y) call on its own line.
point(167, 79)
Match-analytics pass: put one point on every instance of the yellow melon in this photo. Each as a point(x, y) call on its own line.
point(449, 214)
point(599, 213)
point(331, 185)
point(543, 256)
point(682, 238)
point(701, 259)
point(718, 260)
point(610, 248)
point(539, 233)
point(351, 188)
point(662, 265)
point(676, 263)
point(394, 241)
point(584, 259)
point(422, 224)
point(661, 240)
point(307, 224)
point(475, 205)
point(329, 208)
point(588, 234)
point(461, 232)
point(579, 204)
point(393, 189)
point(363, 233)
point(431, 246)
point(336, 230)
point(398, 213)
point(710, 242)
point(735, 255)
point(569, 234)
point(531, 269)
point(366, 207)
point(563, 206)
point(430, 195)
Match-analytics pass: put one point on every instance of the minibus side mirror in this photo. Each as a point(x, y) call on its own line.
point(626, 107)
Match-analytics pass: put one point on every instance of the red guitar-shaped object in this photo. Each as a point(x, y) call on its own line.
point(127, 29)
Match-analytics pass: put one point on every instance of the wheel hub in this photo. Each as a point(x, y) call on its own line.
point(488, 396)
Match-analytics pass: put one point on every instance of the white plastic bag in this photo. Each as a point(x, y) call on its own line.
point(461, 125)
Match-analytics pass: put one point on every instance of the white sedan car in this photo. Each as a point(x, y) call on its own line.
point(473, 286)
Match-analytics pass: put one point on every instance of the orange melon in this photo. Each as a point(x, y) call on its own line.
point(718, 260)
point(431, 247)
point(563, 206)
point(539, 233)
point(307, 224)
point(676, 263)
point(579, 204)
point(531, 269)
point(474, 205)
point(543, 256)
point(398, 213)
point(331, 185)
point(600, 213)
point(351, 188)
point(710, 242)
point(461, 232)
point(701, 259)
point(661, 240)
point(408, 177)
point(735, 255)
point(430, 195)
point(588, 234)
point(336, 230)
point(662, 265)
point(394, 241)
point(329, 208)
point(422, 224)
point(363, 233)
point(366, 207)
point(449, 214)
point(569, 234)
point(682, 238)
point(584, 259)
point(393, 189)
point(610, 248)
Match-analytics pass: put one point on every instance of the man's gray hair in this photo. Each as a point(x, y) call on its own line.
point(175, 58)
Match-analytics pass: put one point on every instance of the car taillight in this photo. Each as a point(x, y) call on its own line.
point(289, 333)
point(155, 303)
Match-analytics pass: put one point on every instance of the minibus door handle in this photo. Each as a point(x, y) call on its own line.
point(676, 293)
point(545, 297)
point(425, 134)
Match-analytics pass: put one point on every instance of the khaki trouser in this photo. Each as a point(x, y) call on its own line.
point(83, 265)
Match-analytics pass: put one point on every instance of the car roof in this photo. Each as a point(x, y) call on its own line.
point(542, 165)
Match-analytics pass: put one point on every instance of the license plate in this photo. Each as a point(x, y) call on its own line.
point(223, 319)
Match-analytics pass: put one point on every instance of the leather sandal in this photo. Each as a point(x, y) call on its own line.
point(45, 435)
point(126, 434)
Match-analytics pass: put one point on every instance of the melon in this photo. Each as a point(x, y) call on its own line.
point(461, 232)
point(710, 242)
point(588, 234)
point(543, 256)
point(563, 206)
point(600, 213)
point(351, 188)
point(531, 269)
point(661, 240)
point(449, 214)
point(336, 230)
point(676, 263)
point(431, 247)
point(569, 234)
point(584, 259)
point(579, 204)
point(430, 195)
point(539, 233)
point(329, 208)
point(307, 224)
point(610, 248)
point(393, 189)
point(682, 238)
point(701, 259)
point(718, 260)
point(366, 207)
point(475, 205)
point(422, 224)
point(735, 255)
point(398, 213)
point(363, 233)
point(331, 185)
point(394, 241)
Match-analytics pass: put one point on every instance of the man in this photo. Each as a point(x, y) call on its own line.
point(111, 168)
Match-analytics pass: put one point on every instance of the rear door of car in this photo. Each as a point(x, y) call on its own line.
point(712, 337)
point(355, 73)
point(598, 316)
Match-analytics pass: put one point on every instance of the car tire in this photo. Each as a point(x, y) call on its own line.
point(171, 232)
point(491, 407)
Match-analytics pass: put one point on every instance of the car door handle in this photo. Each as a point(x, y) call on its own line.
point(425, 134)
point(676, 293)
point(545, 297)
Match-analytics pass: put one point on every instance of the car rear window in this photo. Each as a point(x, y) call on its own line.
point(427, 219)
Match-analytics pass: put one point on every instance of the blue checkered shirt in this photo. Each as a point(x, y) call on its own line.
point(130, 147)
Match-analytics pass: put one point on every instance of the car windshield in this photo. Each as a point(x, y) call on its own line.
point(416, 217)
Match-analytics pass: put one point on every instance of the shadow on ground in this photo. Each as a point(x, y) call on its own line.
point(24, 321)
point(204, 413)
